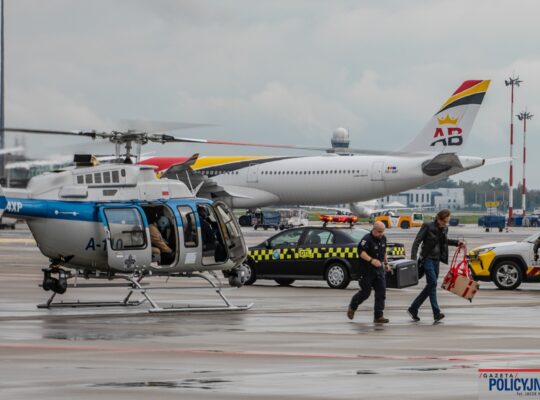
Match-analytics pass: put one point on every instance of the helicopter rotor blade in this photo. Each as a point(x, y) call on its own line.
point(91, 134)
point(169, 139)
point(159, 126)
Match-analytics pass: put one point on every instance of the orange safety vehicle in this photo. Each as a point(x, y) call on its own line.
point(413, 220)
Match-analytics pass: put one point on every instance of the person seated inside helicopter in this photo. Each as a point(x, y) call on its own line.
point(161, 252)
point(164, 226)
point(212, 243)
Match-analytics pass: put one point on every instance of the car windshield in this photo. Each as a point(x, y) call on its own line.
point(356, 234)
point(532, 238)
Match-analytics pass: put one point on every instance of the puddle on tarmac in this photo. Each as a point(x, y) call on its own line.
point(427, 369)
point(206, 384)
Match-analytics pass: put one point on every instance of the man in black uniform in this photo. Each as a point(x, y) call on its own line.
point(373, 264)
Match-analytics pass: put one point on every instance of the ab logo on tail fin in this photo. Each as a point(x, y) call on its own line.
point(449, 128)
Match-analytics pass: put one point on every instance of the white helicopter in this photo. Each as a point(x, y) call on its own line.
point(94, 221)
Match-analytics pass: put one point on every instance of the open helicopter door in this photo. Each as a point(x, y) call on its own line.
point(128, 237)
point(232, 234)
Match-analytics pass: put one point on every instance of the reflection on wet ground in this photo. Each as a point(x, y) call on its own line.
point(180, 384)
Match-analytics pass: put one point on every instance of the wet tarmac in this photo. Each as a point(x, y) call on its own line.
point(295, 343)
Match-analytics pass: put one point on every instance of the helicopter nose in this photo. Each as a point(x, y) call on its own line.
point(3, 202)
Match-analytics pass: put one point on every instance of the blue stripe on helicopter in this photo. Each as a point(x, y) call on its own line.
point(76, 210)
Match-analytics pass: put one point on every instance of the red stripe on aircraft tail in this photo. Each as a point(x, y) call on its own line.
point(466, 85)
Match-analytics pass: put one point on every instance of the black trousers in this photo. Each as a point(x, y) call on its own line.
point(372, 278)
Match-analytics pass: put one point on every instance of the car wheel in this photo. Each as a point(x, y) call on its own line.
point(507, 275)
point(250, 273)
point(284, 281)
point(405, 225)
point(337, 276)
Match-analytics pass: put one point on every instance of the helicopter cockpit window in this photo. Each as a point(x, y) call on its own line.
point(115, 177)
point(232, 230)
point(126, 228)
point(107, 177)
point(189, 225)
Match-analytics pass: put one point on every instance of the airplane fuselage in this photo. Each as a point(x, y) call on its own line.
point(323, 180)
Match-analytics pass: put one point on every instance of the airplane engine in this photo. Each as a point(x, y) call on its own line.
point(359, 209)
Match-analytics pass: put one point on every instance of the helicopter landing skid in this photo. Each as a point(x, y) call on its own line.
point(190, 308)
point(135, 286)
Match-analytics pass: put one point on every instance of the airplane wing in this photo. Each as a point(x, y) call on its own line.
point(184, 172)
point(200, 184)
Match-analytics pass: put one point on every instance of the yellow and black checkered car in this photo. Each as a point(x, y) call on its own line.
point(312, 253)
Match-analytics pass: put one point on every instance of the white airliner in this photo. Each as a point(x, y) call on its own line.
point(250, 182)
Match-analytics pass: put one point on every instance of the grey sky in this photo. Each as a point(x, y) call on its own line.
point(271, 71)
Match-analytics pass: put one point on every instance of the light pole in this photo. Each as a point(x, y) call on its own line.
point(2, 157)
point(513, 81)
point(524, 116)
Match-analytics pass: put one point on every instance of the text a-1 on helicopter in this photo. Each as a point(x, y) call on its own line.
point(94, 221)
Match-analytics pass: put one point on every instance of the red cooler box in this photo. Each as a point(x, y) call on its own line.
point(404, 274)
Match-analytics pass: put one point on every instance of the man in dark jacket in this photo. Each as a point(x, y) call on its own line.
point(373, 264)
point(434, 240)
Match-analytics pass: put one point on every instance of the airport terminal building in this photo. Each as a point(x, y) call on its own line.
point(451, 198)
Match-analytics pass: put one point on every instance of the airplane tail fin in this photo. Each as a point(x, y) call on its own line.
point(450, 127)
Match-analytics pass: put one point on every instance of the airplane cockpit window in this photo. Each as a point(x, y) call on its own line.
point(191, 238)
point(126, 228)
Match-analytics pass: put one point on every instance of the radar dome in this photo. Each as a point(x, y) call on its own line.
point(340, 138)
